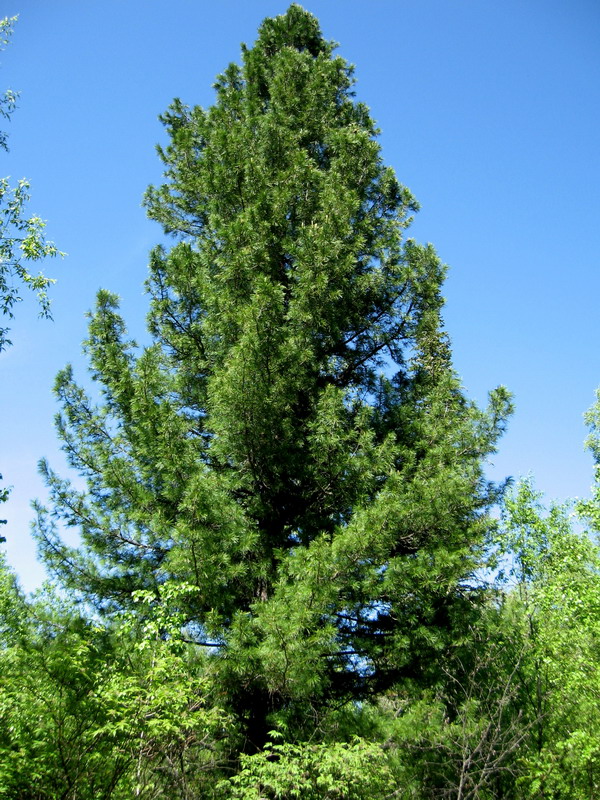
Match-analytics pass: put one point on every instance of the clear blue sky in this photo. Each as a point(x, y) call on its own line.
point(489, 112)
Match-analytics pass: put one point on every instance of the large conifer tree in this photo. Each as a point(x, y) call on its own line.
point(294, 449)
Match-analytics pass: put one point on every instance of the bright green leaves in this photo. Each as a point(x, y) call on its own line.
point(21, 237)
point(555, 571)
point(8, 100)
point(4, 494)
point(355, 771)
point(590, 509)
point(119, 711)
point(21, 240)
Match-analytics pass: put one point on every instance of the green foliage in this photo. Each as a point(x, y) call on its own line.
point(284, 527)
point(22, 237)
point(555, 572)
point(100, 713)
point(294, 445)
point(8, 100)
point(285, 509)
point(4, 494)
point(338, 771)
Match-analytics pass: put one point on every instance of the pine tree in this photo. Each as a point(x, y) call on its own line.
point(293, 449)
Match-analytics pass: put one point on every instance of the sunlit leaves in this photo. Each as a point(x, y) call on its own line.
point(22, 237)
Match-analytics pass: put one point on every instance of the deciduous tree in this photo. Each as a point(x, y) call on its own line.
point(22, 237)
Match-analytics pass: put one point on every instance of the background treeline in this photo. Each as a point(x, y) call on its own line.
point(289, 580)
